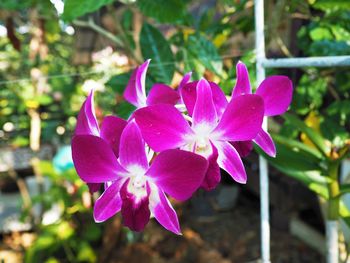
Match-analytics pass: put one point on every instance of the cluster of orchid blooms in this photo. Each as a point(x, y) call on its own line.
point(175, 142)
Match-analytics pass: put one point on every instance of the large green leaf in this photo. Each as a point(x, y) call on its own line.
point(156, 47)
point(300, 164)
point(170, 11)
point(204, 50)
point(315, 137)
point(76, 8)
point(298, 145)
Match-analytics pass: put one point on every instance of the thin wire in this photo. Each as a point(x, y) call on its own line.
point(168, 63)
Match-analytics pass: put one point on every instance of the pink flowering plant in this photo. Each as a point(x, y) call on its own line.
point(174, 143)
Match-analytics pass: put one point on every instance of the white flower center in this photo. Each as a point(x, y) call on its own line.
point(137, 186)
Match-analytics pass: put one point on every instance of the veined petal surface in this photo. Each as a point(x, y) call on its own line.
point(242, 84)
point(109, 203)
point(86, 122)
point(230, 161)
point(178, 173)
point(265, 142)
point(111, 130)
point(161, 93)
point(94, 160)
point(277, 92)
point(132, 152)
point(241, 120)
point(163, 127)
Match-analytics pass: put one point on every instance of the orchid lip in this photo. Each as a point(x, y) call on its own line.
point(137, 186)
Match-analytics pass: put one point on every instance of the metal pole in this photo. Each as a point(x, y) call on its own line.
point(331, 61)
point(264, 182)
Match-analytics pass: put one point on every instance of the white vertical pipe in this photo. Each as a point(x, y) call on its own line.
point(332, 241)
point(264, 183)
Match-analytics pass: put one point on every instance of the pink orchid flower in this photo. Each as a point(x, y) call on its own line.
point(276, 91)
point(213, 127)
point(137, 188)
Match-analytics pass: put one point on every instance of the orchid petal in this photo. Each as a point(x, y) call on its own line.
point(87, 123)
point(94, 159)
point(277, 92)
point(230, 161)
point(189, 95)
point(212, 177)
point(242, 83)
point(109, 203)
point(178, 173)
point(94, 187)
point(204, 113)
point(265, 142)
point(243, 147)
point(132, 151)
point(163, 211)
point(135, 91)
point(163, 127)
point(219, 98)
point(161, 93)
point(111, 130)
point(186, 78)
point(241, 120)
point(135, 209)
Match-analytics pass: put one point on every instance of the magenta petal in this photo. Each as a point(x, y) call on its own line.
point(109, 203)
point(219, 98)
point(265, 142)
point(161, 93)
point(135, 91)
point(277, 92)
point(204, 113)
point(189, 95)
point(87, 123)
point(241, 120)
point(94, 159)
point(242, 84)
point(212, 177)
point(230, 161)
point(132, 151)
point(178, 173)
point(164, 212)
point(135, 210)
point(186, 78)
point(111, 130)
point(93, 188)
point(163, 127)
point(243, 147)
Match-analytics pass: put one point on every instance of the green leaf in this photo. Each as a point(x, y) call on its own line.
point(315, 137)
point(15, 4)
point(332, 5)
point(155, 46)
point(320, 33)
point(344, 189)
point(119, 82)
point(76, 8)
point(297, 145)
point(124, 109)
point(301, 164)
point(205, 51)
point(170, 11)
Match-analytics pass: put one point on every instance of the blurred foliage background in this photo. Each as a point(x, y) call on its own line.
point(53, 52)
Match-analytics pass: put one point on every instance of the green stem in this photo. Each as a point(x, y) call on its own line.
point(91, 24)
point(334, 192)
